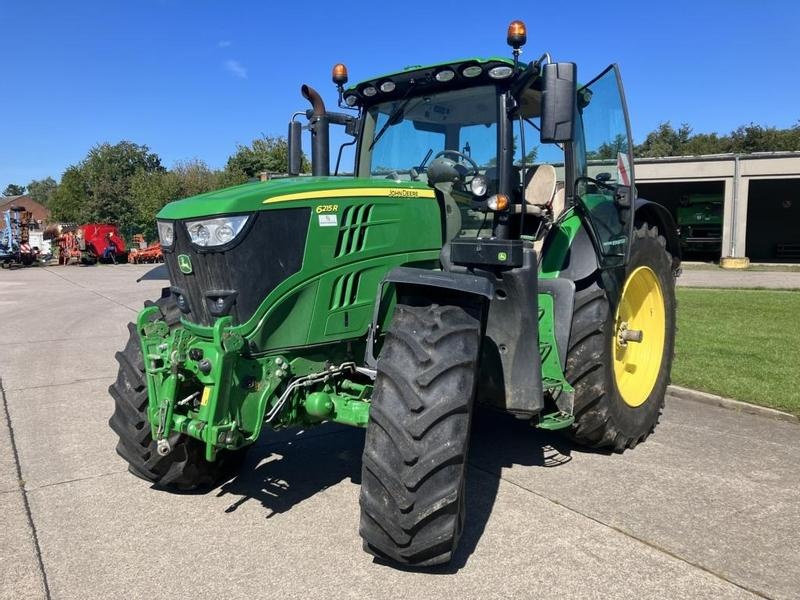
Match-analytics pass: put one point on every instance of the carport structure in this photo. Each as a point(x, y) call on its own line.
point(761, 191)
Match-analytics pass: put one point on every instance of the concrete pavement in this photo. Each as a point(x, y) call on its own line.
point(733, 278)
point(708, 507)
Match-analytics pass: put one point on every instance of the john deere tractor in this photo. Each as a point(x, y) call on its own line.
point(490, 248)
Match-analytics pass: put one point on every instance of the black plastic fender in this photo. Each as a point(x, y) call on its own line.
point(658, 215)
point(511, 368)
point(423, 286)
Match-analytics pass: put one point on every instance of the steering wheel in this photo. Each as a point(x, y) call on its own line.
point(461, 158)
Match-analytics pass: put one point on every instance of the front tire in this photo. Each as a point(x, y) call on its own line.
point(185, 467)
point(620, 385)
point(415, 455)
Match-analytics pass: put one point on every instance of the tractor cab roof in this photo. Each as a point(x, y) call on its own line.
point(439, 77)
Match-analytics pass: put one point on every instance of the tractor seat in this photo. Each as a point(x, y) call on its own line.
point(540, 187)
point(558, 204)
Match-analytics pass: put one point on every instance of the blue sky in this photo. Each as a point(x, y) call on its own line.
point(194, 78)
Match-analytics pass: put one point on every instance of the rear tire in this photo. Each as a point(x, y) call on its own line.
point(603, 418)
point(185, 467)
point(415, 455)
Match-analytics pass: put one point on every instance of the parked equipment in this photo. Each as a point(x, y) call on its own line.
point(473, 257)
point(16, 246)
point(88, 244)
point(700, 223)
point(102, 242)
point(141, 252)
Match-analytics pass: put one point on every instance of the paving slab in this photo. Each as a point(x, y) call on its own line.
point(704, 487)
point(287, 527)
point(62, 432)
point(82, 316)
point(60, 362)
point(20, 576)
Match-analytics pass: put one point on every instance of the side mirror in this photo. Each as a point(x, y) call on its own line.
point(558, 102)
point(295, 148)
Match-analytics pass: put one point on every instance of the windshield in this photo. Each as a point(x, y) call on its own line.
point(406, 134)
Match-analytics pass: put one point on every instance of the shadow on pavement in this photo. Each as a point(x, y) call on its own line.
point(284, 474)
point(280, 476)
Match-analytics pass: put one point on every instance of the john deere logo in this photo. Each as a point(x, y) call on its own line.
point(184, 263)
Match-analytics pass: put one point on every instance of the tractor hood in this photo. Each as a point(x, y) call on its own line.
point(294, 190)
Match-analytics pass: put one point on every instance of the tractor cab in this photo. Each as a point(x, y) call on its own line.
point(508, 147)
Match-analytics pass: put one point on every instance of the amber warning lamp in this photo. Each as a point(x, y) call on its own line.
point(516, 37)
point(339, 74)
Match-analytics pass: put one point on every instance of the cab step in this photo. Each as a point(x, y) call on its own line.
point(555, 421)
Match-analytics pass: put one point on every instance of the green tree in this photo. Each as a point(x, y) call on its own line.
point(268, 153)
point(705, 143)
point(98, 188)
point(149, 191)
point(609, 150)
point(42, 190)
point(70, 200)
point(12, 189)
point(755, 138)
point(665, 141)
point(195, 177)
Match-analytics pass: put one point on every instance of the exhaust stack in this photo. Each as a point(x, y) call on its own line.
point(319, 125)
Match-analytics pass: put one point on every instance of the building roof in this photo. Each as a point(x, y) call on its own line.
point(40, 213)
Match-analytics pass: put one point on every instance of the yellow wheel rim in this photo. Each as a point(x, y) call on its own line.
point(639, 333)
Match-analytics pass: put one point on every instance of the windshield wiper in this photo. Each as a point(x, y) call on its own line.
point(394, 119)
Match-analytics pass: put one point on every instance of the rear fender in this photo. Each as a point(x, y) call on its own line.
point(658, 215)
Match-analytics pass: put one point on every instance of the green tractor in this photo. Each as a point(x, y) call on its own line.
point(490, 248)
point(700, 223)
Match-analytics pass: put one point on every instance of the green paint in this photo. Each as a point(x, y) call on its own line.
point(555, 421)
point(313, 319)
point(502, 256)
point(319, 405)
point(556, 251)
point(553, 377)
point(250, 197)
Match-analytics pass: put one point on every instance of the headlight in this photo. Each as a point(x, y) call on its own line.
point(215, 232)
point(478, 185)
point(472, 71)
point(166, 234)
point(445, 75)
point(500, 72)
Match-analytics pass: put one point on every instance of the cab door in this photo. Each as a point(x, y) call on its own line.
point(606, 191)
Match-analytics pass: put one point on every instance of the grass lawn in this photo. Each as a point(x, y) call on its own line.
point(742, 344)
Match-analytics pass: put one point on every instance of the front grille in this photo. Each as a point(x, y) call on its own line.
point(235, 280)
